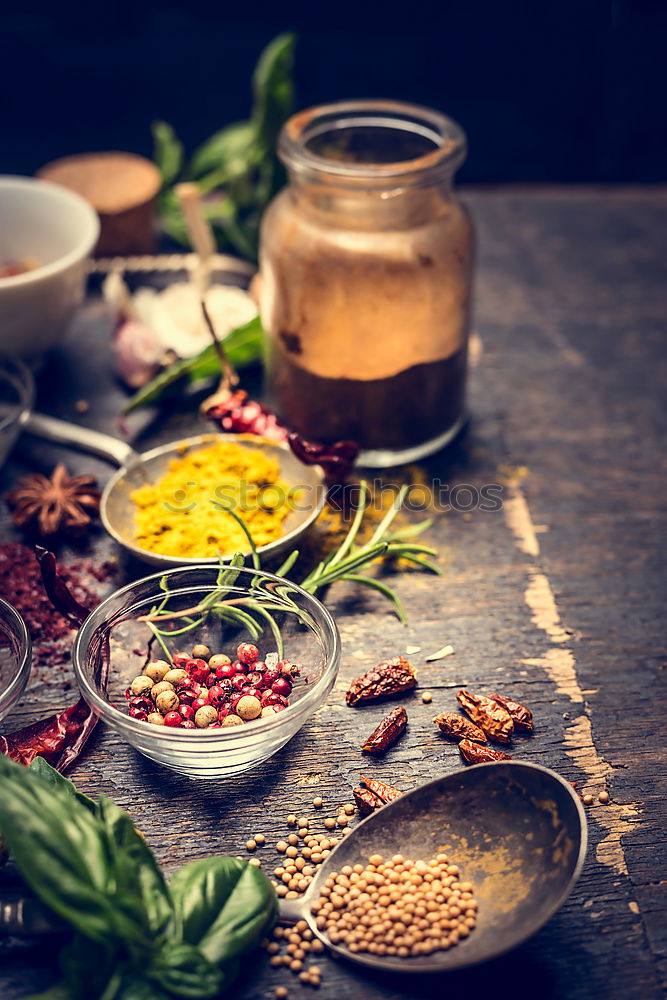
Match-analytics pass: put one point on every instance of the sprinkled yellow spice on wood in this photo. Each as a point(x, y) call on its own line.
point(176, 517)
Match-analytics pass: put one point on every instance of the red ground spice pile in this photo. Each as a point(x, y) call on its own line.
point(21, 585)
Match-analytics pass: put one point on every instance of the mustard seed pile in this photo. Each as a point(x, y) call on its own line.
point(398, 907)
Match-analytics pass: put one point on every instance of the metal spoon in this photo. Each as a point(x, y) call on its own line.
point(117, 507)
point(516, 830)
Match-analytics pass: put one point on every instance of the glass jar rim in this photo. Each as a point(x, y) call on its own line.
point(447, 136)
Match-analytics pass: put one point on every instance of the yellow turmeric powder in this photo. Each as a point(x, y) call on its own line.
point(175, 516)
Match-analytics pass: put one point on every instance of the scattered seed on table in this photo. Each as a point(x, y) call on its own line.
point(349, 808)
point(292, 840)
point(427, 696)
point(282, 846)
point(296, 965)
point(255, 862)
point(276, 960)
point(342, 820)
point(303, 833)
point(318, 802)
point(603, 797)
point(259, 838)
point(251, 845)
point(330, 823)
point(587, 800)
point(281, 993)
point(291, 820)
point(303, 822)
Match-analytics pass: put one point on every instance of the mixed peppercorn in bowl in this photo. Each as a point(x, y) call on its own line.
point(200, 690)
point(112, 655)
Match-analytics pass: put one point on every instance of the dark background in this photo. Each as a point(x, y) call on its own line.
point(547, 91)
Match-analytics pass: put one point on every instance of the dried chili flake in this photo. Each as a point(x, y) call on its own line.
point(21, 585)
point(522, 717)
point(454, 726)
point(473, 753)
point(488, 714)
point(388, 678)
point(388, 732)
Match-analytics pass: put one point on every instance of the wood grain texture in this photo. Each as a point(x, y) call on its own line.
point(556, 599)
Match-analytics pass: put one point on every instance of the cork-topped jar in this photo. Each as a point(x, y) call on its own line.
point(366, 264)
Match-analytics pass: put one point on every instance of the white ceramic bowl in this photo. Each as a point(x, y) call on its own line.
point(58, 229)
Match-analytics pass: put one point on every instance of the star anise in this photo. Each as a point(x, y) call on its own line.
point(62, 503)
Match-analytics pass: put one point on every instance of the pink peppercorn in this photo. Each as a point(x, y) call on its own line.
point(173, 720)
point(180, 660)
point(247, 652)
point(138, 713)
point(187, 696)
point(239, 681)
point(225, 672)
point(200, 702)
point(188, 724)
point(282, 686)
point(216, 695)
point(186, 711)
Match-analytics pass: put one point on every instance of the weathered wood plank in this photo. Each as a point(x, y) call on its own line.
point(558, 598)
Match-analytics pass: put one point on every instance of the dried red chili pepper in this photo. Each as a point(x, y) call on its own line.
point(386, 793)
point(242, 415)
point(388, 678)
point(366, 801)
point(337, 460)
point(490, 716)
point(60, 737)
point(522, 717)
point(456, 727)
point(473, 753)
point(388, 732)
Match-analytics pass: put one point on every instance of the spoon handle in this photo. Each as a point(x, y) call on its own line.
point(94, 442)
point(292, 910)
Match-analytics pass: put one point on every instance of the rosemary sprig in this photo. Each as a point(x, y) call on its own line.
point(344, 563)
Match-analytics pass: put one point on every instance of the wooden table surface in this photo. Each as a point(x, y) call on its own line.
point(558, 598)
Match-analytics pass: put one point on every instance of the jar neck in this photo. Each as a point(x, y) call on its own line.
point(382, 161)
point(393, 208)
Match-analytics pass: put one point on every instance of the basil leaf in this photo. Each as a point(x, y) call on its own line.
point(53, 777)
point(59, 849)
point(273, 88)
point(229, 151)
point(134, 988)
point(167, 152)
point(225, 906)
point(182, 970)
point(136, 871)
point(87, 968)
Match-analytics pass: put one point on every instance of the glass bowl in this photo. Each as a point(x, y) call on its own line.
point(106, 642)
point(15, 657)
point(17, 391)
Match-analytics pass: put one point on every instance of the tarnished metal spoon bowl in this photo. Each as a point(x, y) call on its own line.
point(305, 484)
point(516, 830)
point(117, 510)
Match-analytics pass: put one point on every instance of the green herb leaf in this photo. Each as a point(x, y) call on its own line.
point(225, 906)
point(226, 152)
point(243, 346)
point(61, 853)
point(182, 970)
point(134, 988)
point(167, 152)
point(135, 868)
point(273, 88)
point(53, 777)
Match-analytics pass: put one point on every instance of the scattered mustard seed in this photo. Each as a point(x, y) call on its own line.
point(603, 797)
point(427, 696)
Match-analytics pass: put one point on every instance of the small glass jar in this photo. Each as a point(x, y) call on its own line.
point(366, 266)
